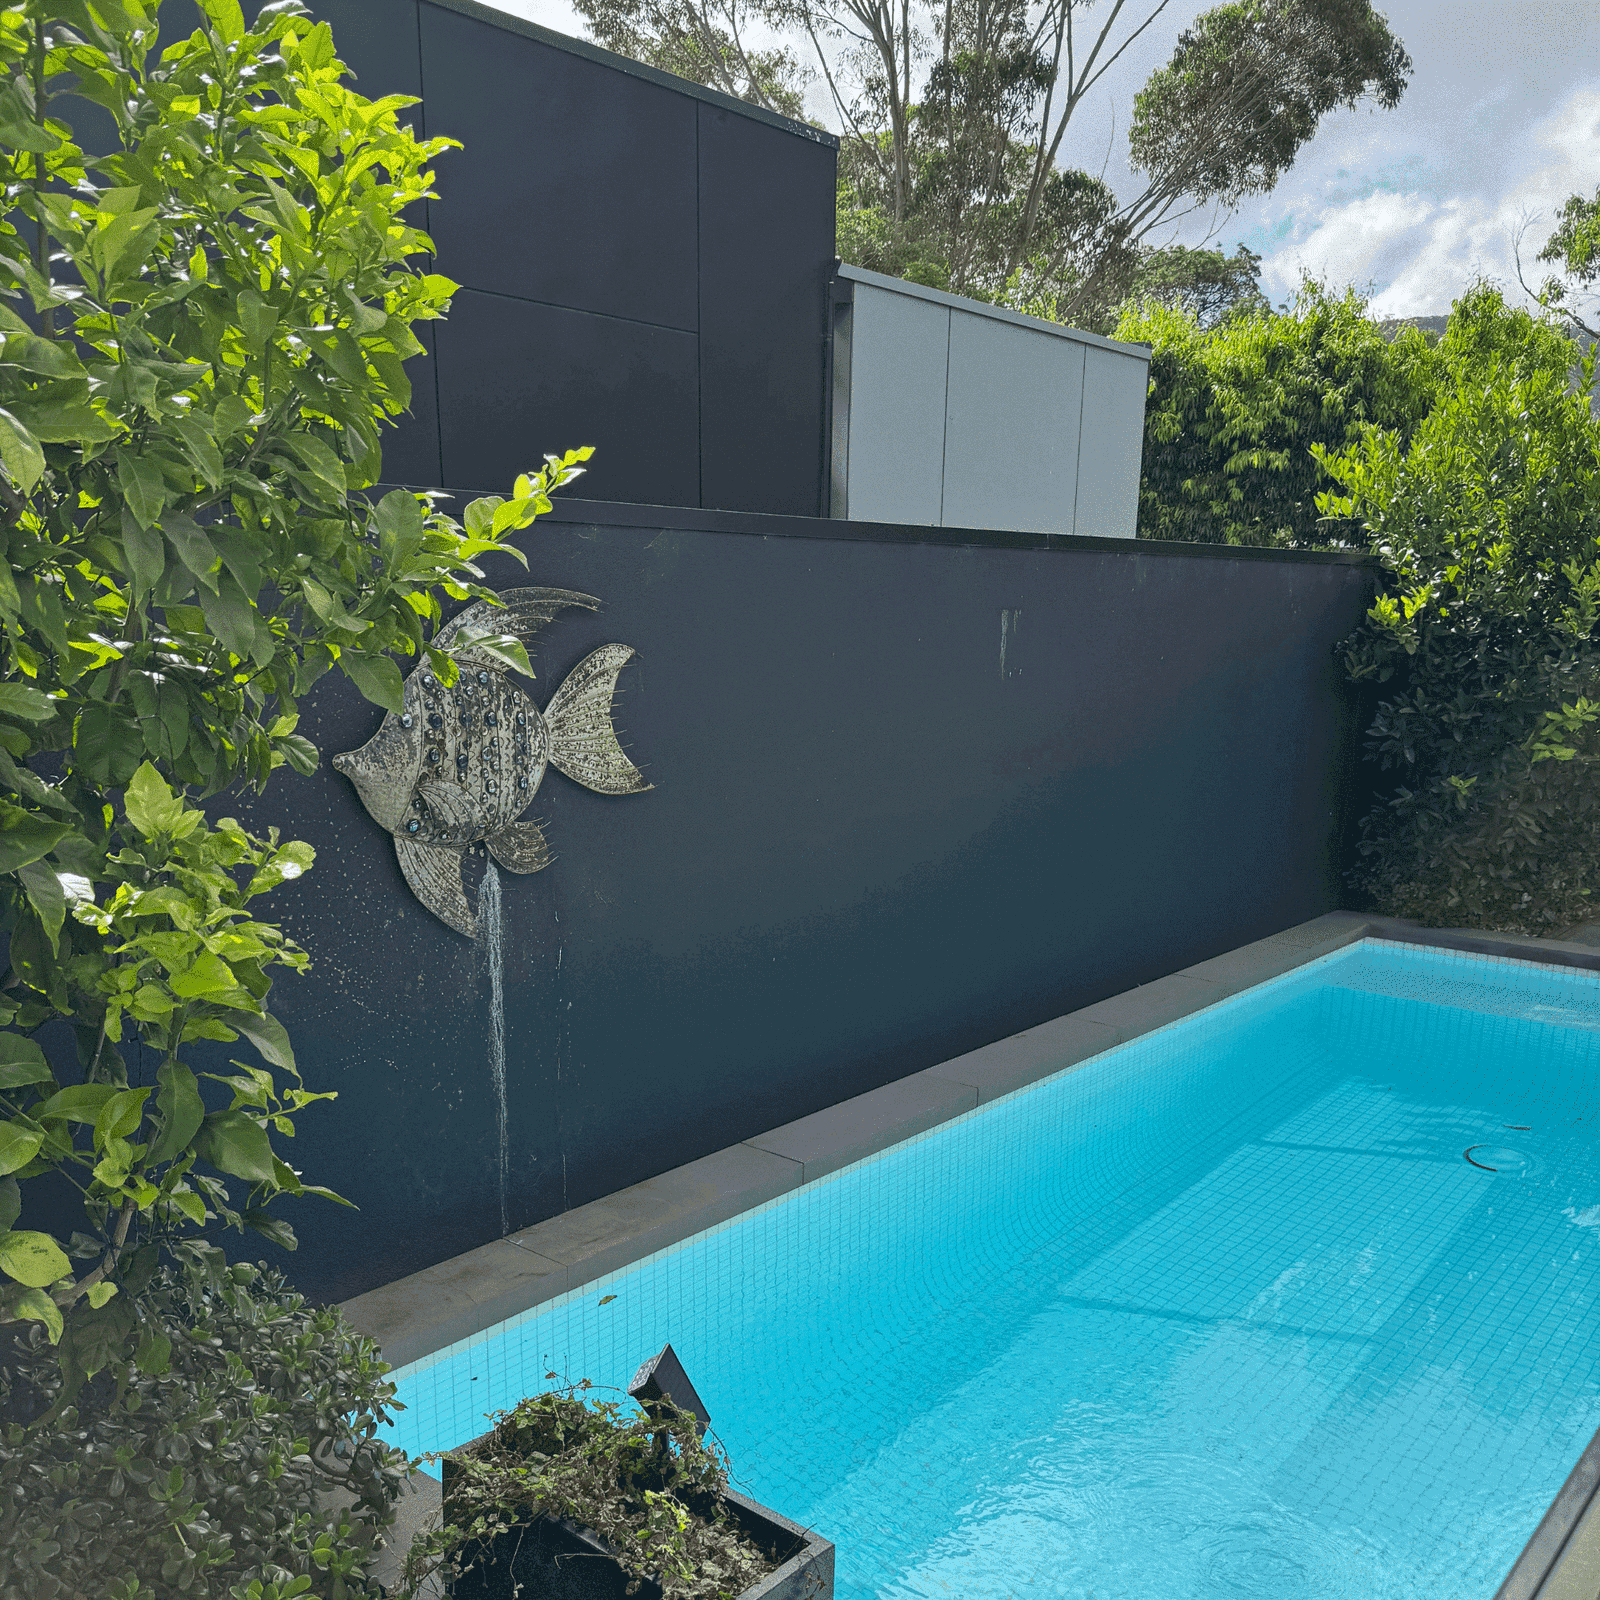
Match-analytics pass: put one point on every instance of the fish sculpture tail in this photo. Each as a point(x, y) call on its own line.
point(583, 742)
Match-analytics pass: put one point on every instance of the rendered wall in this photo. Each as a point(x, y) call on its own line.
point(914, 791)
point(955, 414)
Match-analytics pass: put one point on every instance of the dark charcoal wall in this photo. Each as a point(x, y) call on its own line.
point(868, 849)
point(644, 266)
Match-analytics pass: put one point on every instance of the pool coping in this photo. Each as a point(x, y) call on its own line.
point(427, 1311)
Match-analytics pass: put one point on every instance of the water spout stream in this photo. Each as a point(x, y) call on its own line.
point(491, 930)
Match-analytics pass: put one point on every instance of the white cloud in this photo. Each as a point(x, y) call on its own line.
point(1420, 249)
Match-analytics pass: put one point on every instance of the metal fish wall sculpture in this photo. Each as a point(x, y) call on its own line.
point(458, 766)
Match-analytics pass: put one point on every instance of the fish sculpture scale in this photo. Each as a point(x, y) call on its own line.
point(459, 765)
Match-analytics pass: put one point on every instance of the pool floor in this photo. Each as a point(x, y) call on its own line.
point(1227, 1311)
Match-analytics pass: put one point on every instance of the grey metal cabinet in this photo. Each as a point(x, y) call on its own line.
point(952, 413)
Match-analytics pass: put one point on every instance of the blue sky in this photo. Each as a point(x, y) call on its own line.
point(1500, 123)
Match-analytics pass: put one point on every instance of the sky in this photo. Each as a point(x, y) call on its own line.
point(1499, 124)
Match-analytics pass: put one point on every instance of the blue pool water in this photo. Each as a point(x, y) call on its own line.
point(1223, 1312)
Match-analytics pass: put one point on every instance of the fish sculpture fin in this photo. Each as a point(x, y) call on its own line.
point(524, 613)
point(451, 805)
point(520, 847)
point(583, 743)
point(435, 878)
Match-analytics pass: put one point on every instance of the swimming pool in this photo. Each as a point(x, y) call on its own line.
point(1295, 1297)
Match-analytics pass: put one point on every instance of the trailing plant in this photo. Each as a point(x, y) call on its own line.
point(648, 1485)
point(248, 1466)
point(204, 329)
point(1488, 523)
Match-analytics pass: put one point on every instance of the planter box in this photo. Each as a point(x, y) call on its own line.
point(551, 1559)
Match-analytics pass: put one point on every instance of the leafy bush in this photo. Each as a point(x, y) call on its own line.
point(647, 1485)
point(1235, 413)
point(210, 1477)
point(204, 332)
point(1488, 520)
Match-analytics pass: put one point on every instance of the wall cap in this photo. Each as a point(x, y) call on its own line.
point(775, 525)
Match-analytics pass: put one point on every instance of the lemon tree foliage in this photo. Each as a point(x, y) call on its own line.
point(204, 331)
point(1482, 647)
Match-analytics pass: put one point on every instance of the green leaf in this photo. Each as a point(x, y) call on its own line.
point(44, 356)
point(256, 319)
point(377, 677)
point(100, 1292)
point(143, 487)
point(342, 354)
point(267, 1034)
point(43, 885)
point(321, 463)
point(300, 753)
point(34, 1259)
point(10, 1202)
point(21, 454)
point(27, 705)
point(195, 549)
point(107, 744)
point(241, 555)
point(206, 974)
point(271, 1227)
point(226, 17)
point(152, 807)
point(21, 1062)
point(18, 1146)
point(154, 1351)
point(230, 615)
point(25, 836)
point(235, 1143)
point(65, 422)
point(34, 1305)
point(146, 553)
point(182, 1110)
point(78, 1102)
point(200, 447)
point(120, 1116)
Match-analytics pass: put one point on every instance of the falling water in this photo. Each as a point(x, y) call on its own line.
point(491, 928)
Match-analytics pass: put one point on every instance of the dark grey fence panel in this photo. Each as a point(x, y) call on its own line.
point(914, 791)
point(766, 208)
point(643, 265)
point(638, 402)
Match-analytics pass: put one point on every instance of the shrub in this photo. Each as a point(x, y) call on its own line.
point(1236, 412)
point(1488, 522)
point(211, 1476)
point(648, 1485)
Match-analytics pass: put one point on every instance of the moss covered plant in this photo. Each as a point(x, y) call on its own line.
point(212, 1477)
point(648, 1486)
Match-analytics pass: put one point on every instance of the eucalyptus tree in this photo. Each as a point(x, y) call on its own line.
point(1575, 245)
point(955, 115)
